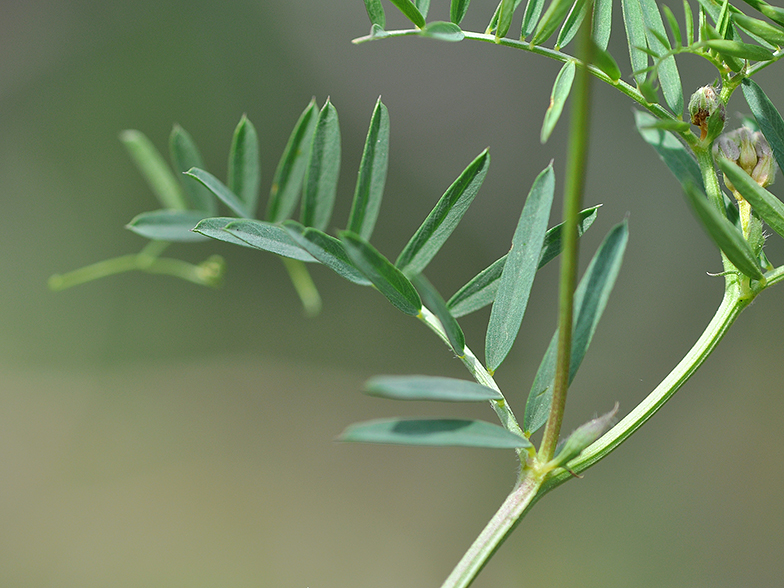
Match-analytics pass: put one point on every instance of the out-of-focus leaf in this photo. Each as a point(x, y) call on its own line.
point(457, 10)
point(423, 6)
point(387, 279)
point(213, 228)
point(443, 31)
point(671, 151)
point(168, 225)
point(429, 388)
point(267, 237)
point(432, 299)
point(287, 181)
point(558, 96)
point(244, 173)
point(773, 34)
point(185, 155)
point(375, 12)
point(635, 35)
point(519, 271)
point(590, 299)
point(154, 169)
point(572, 23)
point(582, 437)
point(481, 290)
point(327, 250)
point(724, 234)
point(372, 175)
point(533, 10)
point(767, 117)
point(740, 50)
point(217, 187)
point(434, 432)
point(323, 169)
point(443, 219)
point(766, 205)
point(668, 71)
point(552, 18)
point(669, 124)
point(410, 11)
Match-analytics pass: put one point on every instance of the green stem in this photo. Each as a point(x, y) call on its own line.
point(573, 192)
point(303, 284)
point(495, 532)
point(731, 306)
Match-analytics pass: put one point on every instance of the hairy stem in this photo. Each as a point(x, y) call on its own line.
point(573, 194)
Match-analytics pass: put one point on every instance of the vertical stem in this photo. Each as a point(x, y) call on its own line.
point(303, 284)
point(573, 190)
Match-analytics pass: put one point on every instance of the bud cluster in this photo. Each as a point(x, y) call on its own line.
point(750, 150)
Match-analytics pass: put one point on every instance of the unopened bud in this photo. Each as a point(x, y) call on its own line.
point(750, 150)
point(765, 171)
point(703, 105)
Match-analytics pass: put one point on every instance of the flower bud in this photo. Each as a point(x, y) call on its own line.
point(764, 171)
point(703, 104)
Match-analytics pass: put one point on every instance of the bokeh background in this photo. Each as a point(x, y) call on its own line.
point(156, 433)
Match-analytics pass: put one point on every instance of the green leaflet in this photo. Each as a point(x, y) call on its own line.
point(154, 169)
point(672, 152)
point(635, 35)
point(287, 181)
point(689, 18)
point(267, 237)
point(213, 228)
point(558, 96)
point(244, 175)
point(481, 290)
point(168, 225)
point(432, 299)
point(493, 26)
point(774, 13)
point(674, 26)
point(517, 277)
point(572, 23)
point(443, 31)
point(327, 250)
point(533, 10)
point(423, 6)
point(553, 16)
point(184, 156)
point(606, 63)
point(767, 117)
point(443, 219)
point(771, 33)
point(429, 388)
point(217, 187)
point(372, 175)
point(387, 279)
point(740, 50)
point(590, 299)
point(323, 169)
point(457, 10)
point(505, 14)
point(410, 11)
point(766, 205)
point(375, 12)
point(724, 234)
point(602, 23)
point(434, 432)
point(668, 71)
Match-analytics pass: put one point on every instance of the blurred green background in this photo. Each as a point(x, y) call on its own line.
point(155, 433)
